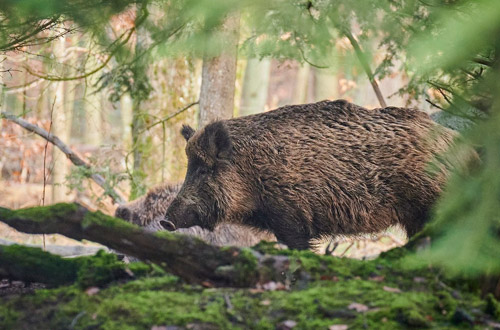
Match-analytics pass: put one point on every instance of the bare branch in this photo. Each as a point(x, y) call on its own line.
point(73, 157)
point(170, 117)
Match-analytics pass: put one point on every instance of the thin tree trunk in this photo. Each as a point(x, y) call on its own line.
point(255, 86)
point(326, 85)
point(301, 85)
point(218, 77)
point(93, 120)
point(2, 94)
point(61, 122)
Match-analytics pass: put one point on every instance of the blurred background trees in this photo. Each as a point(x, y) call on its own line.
point(117, 80)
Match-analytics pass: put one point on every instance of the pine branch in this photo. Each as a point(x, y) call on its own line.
point(366, 66)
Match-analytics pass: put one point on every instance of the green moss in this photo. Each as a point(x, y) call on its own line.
point(165, 300)
point(492, 306)
point(102, 219)
point(33, 264)
point(100, 270)
point(410, 309)
point(390, 297)
point(9, 317)
point(41, 213)
point(245, 267)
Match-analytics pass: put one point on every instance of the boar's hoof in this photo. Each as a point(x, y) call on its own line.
point(168, 225)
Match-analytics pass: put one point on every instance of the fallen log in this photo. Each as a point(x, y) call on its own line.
point(30, 265)
point(185, 256)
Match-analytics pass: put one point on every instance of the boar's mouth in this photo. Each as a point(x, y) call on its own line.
point(187, 218)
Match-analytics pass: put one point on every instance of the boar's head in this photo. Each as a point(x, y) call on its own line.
point(206, 194)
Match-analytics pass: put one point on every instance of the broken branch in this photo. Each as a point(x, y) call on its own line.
point(73, 157)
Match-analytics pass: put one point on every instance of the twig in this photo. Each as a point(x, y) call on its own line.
point(347, 249)
point(86, 74)
point(434, 104)
point(77, 317)
point(73, 157)
point(483, 61)
point(364, 63)
point(170, 117)
point(45, 163)
point(229, 305)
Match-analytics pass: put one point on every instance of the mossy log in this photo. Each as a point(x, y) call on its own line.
point(34, 265)
point(185, 256)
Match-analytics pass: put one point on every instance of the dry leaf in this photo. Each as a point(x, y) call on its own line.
point(286, 325)
point(358, 307)
point(389, 289)
point(377, 278)
point(338, 327)
point(92, 291)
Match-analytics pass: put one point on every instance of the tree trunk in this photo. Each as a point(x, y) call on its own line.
point(218, 77)
point(61, 124)
point(255, 86)
point(301, 84)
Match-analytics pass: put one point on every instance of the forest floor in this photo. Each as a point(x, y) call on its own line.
point(353, 289)
point(338, 293)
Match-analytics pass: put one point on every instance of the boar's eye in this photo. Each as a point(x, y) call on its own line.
point(196, 165)
point(203, 170)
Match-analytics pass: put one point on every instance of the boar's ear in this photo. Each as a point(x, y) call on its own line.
point(218, 143)
point(187, 131)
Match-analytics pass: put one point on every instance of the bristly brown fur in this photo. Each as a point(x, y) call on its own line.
point(305, 171)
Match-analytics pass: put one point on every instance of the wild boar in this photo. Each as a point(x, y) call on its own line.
point(149, 212)
point(308, 171)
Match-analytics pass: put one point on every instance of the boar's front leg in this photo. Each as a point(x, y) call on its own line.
point(292, 239)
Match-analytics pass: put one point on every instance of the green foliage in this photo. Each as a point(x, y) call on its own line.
point(467, 218)
point(78, 178)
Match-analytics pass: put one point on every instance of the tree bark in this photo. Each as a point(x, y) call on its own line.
point(255, 86)
point(185, 256)
point(301, 84)
point(218, 77)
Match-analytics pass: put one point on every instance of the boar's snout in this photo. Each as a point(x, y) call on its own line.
point(123, 212)
point(180, 215)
